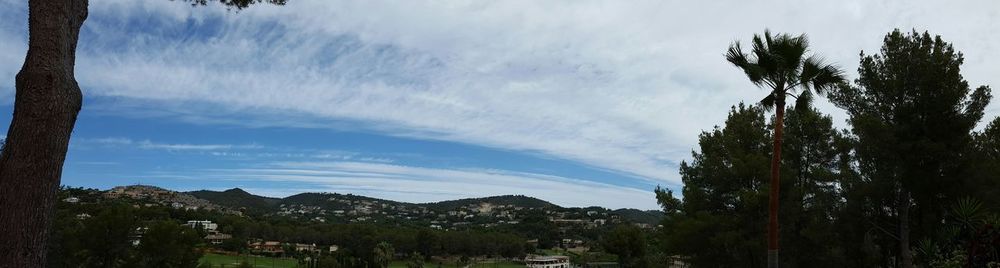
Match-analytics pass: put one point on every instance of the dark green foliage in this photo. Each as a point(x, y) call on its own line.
point(383, 254)
point(516, 200)
point(464, 260)
point(721, 222)
point(238, 198)
point(969, 237)
point(416, 260)
point(813, 151)
point(106, 239)
point(722, 219)
point(629, 243)
point(235, 244)
point(779, 64)
point(118, 236)
point(168, 244)
point(639, 216)
point(985, 167)
point(912, 114)
point(852, 199)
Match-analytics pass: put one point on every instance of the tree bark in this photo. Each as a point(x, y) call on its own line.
point(905, 256)
point(46, 104)
point(772, 206)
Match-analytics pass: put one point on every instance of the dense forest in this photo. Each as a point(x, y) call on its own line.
point(98, 229)
point(103, 234)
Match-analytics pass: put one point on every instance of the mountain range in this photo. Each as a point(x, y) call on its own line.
point(357, 208)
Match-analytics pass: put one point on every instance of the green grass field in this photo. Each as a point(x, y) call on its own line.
point(561, 252)
point(260, 262)
point(502, 264)
point(430, 264)
point(220, 261)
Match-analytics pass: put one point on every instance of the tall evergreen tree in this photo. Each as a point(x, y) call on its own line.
point(779, 63)
point(986, 165)
point(169, 245)
point(913, 115)
point(629, 243)
point(718, 224)
point(724, 192)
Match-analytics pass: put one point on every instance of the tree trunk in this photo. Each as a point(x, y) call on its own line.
point(772, 206)
point(905, 256)
point(46, 104)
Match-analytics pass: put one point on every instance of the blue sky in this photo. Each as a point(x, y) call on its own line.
point(576, 102)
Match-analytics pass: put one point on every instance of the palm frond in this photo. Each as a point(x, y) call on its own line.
point(804, 101)
point(820, 76)
point(768, 103)
point(765, 60)
point(927, 248)
point(736, 56)
point(830, 77)
point(778, 62)
point(790, 51)
point(967, 210)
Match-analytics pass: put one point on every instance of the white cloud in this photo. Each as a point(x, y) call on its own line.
point(147, 144)
point(620, 85)
point(420, 184)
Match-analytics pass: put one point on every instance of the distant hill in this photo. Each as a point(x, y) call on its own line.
point(238, 198)
point(642, 216)
point(320, 205)
point(516, 200)
point(331, 199)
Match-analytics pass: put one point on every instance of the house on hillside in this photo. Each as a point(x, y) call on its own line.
point(136, 236)
point(267, 247)
point(217, 238)
point(306, 248)
point(535, 261)
point(204, 225)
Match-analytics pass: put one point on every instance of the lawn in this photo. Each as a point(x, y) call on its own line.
point(428, 264)
point(262, 262)
point(501, 264)
point(557, 251)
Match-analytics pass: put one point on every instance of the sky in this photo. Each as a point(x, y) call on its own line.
point(576, 102)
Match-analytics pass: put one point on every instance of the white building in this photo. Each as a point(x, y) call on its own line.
point(533, 261)
point(206, 225)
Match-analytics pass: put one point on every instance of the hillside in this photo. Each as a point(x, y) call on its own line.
point(334, 207)
point(321, 199)
point(513, 200)
point(237, 198)
point(641, 216)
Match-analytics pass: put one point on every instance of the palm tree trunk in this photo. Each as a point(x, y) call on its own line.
point(46, 104)
point(772, 224)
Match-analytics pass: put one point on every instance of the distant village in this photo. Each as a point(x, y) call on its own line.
point(354, 209)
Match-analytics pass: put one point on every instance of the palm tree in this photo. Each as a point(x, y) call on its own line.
point(383, 254)
point(779, 64)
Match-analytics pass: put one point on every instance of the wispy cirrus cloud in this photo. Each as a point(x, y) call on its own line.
point(147, 144)
point(621, 86)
